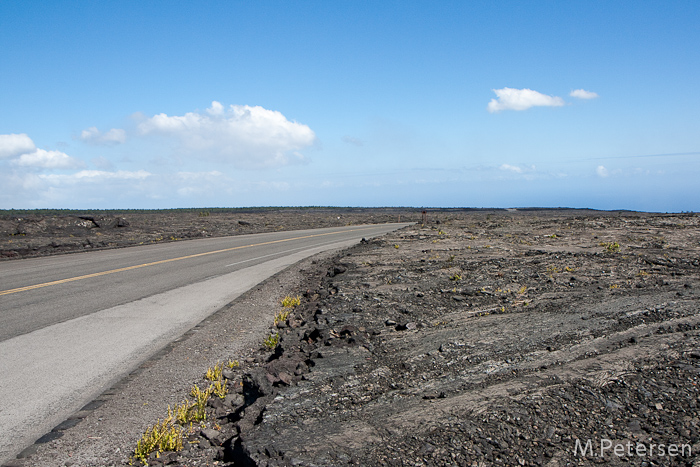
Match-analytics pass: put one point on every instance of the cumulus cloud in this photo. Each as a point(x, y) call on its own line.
point(246, 136)
point(583, 94)
point(14, 145)
point(112, 137)
point(43, 159)
point(601, 171)
point(22, 152)
point(521, 99)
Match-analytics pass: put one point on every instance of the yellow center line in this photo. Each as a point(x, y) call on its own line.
point(128, 268)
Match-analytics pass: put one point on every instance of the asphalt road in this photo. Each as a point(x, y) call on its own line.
point(71, 326)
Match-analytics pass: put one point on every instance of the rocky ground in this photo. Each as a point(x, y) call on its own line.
point(39, 233)
point(479, 338)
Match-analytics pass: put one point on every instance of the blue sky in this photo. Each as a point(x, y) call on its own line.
point(166, 104)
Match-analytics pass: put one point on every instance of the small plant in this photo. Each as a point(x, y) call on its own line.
point(233, 364)
point(455, 277)
point(568, 269)
point(163, 436)
point(291, 302)
point(396, 245)
point(552, 269)
point(198, 410)
point(614, 286)
point(215, 373)
point(522, 290)
point(220, 389)
point(271, 341)
point(451, 258)
point(182, 413)
point(281, 316)
point(612, 247)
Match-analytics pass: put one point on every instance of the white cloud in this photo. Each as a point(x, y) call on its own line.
point(249, 137)
point(41, 158)
point(517, 169)
point(511, 168)
point(521, 99)
point(22, 152)
point(94, 136)
point(583, 94)
point(602, 171)
point(14, 145)
point(95, 176)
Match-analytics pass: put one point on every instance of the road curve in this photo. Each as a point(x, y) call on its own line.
point(73, 325)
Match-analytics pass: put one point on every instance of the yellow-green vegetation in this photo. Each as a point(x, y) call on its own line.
point(271, 341)
point(182, 413)
point(612, 247)
point(219, 388)
point(291, 302)
point(522, 290)
point(568, 269)
point(198, 409)
point(281, 316)
point(455, 277)
point(163, 436)
point(233, 364)
point(614, 286)
point(396, 245)
point(552, 270)
point(215, 373)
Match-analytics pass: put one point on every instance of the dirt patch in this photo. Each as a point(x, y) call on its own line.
point(489, 338)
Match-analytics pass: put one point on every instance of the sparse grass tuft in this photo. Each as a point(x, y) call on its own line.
point(163, 436)
point(281, 316)
point(215, 373)
point(612, 247)
point(455, 277)
point(219, 388)
point(233, 364)
point(271, 341)
point(291, 302)
point(182, 413)
point(198, 410)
